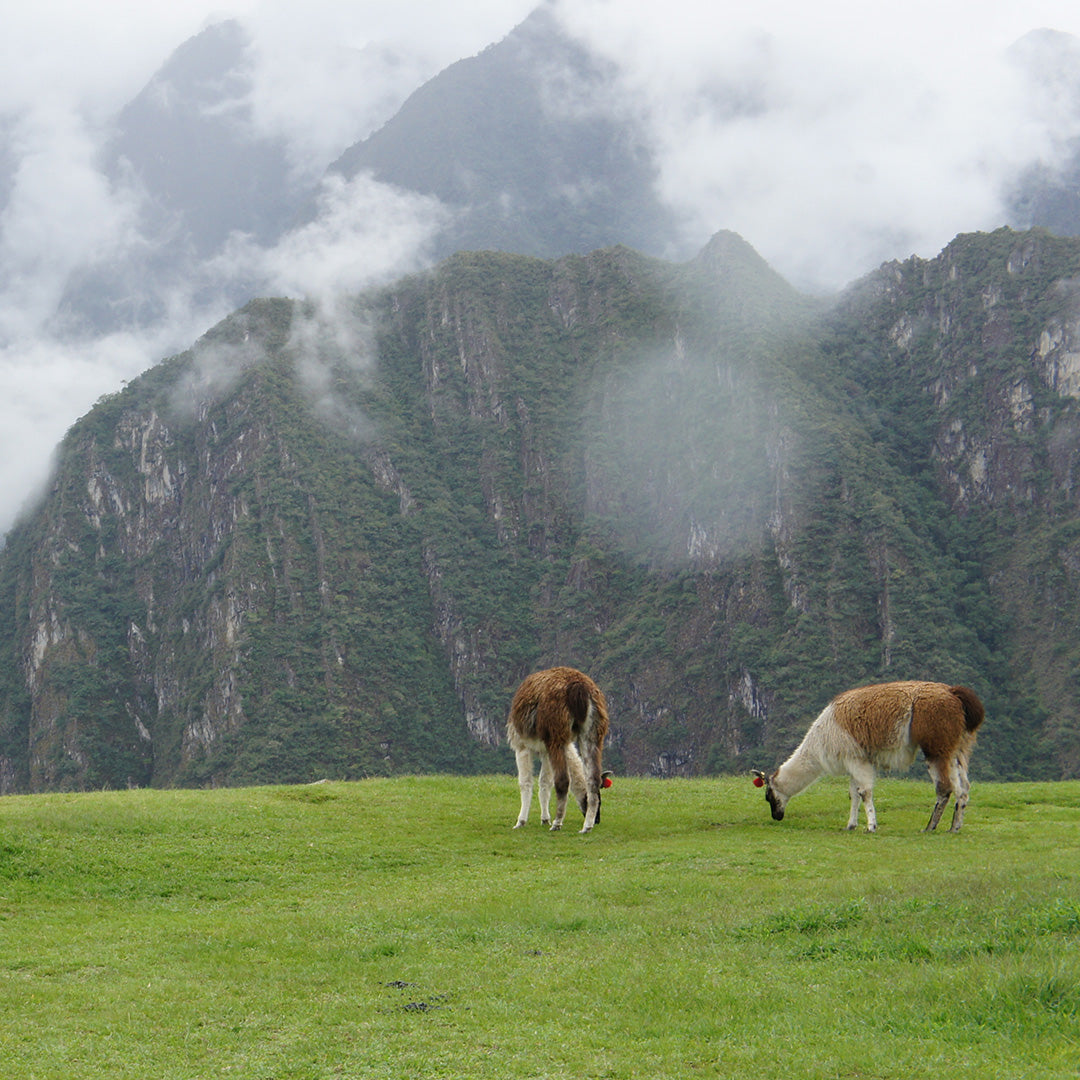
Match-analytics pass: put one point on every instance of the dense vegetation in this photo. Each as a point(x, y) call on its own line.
point(400, 927)
point(331, 542)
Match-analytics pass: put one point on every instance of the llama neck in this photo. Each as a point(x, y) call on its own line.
point(800, 770)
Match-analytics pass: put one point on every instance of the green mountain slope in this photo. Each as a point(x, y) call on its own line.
point(331, 543)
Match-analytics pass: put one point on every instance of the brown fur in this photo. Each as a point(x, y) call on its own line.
point(552, 710)
point(871, 714)
point(943, 719)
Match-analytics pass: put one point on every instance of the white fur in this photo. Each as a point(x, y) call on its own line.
point(524, 750)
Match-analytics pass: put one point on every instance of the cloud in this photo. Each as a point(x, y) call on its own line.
point(831, 136)
point(675, 493)
point(47, 385)
point(332, 340)
point(365, 233)
point(95, 56)
point(59, 214)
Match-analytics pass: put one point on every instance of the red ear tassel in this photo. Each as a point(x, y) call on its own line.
point(606, 782)
point(758, 782)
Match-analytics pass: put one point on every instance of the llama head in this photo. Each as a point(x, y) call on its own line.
point(776, 800)
point(605, 782)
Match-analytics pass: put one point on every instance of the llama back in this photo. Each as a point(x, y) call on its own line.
point(890, 720)
point(545, 693)
point(877, 717)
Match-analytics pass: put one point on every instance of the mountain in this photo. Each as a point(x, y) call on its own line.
point(331, 544)
point(187, 148)
point(520, 143)
point(524, 143)
point(530, 147)
point(190, 139)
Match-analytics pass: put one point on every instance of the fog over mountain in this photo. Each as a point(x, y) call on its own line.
point(831, 138)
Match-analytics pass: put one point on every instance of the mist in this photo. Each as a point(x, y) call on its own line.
point(679, 459)
point(831, 139)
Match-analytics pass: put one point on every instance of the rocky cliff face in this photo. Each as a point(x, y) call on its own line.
point(332, 546)
point(989, 333)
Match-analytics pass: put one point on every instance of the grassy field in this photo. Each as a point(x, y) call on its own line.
point(401, 928)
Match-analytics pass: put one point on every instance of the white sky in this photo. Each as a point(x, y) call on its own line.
point(883, 130)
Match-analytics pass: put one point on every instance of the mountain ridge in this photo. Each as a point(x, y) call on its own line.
point(332, 546)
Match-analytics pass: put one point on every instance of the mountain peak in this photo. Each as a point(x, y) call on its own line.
point(742, 281)
point(726, 250)
point(517, 141)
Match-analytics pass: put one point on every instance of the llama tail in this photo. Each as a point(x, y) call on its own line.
point(577, 702)
point(973, 707)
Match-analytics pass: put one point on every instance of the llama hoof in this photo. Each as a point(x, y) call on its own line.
point(587, 828)
point(545, 821)
point(557, 826)
point(519, 824)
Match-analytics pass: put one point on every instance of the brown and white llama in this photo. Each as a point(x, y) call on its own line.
point(561, 716)
point(884, 726)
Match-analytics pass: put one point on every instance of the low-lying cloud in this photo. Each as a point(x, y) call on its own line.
point(365, 233)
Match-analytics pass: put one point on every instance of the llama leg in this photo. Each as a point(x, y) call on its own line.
point(868, 805)
point(525, 783)
point(853, 817)
point(862, 788)
point(591, 760)
point(962, 787)
point(561, 776)
point(943, 789)
point(547, 782)
point(586, 788)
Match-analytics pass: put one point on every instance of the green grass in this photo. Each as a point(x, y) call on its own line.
point(400, 928)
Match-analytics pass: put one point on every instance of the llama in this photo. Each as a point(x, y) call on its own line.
point(884, 726)
point(552, 714)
